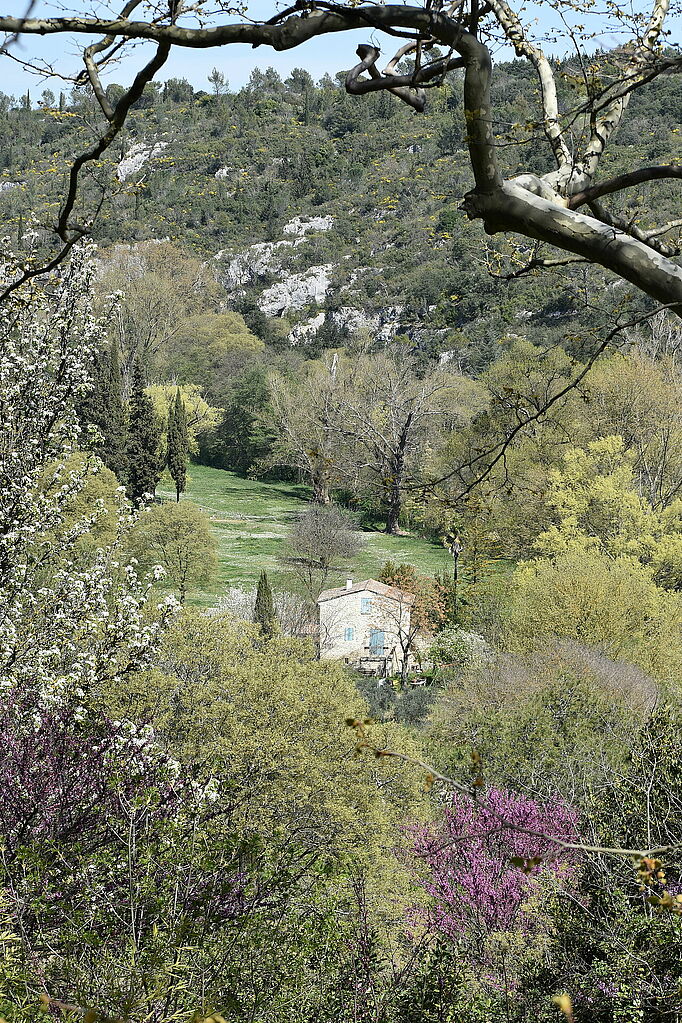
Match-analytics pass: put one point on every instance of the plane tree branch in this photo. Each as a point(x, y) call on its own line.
point(622, 181)
point(542, 208)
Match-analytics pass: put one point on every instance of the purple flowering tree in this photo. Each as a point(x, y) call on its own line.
point(67, 774)
point(486, 860)
point(104, 862)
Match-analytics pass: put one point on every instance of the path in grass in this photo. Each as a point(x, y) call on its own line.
point(250, 519)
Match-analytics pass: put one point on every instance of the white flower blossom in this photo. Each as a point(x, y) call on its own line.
point(64, 628)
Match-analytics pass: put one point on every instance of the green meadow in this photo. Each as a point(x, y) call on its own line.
point(250, 519)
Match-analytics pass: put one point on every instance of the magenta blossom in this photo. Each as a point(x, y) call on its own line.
point(485, 859)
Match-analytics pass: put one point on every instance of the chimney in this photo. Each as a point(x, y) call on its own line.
point(349, 584)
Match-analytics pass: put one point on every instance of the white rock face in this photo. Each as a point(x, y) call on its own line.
point(297, 291)
point(355, 320)
point(299, 225)
point(258, 260)
point(137, 157)
point(223, 172)
point(303, 331)
point(5, 186)
point(383, 325)
point(264, 258)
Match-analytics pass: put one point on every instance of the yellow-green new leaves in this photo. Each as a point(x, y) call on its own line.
point(270, 720)
point(565, 1005)
point(611, 603)
point(596, 504)
point(201, 417)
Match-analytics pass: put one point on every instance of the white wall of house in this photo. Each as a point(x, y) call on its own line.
point(363, 624)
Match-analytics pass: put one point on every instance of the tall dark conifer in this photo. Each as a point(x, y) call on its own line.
point(178, 444)
point(104, 409)
point(264, 609)
point(144, 435)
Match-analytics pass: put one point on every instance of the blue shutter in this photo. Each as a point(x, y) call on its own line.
point(365, 605)
point(348, 634)
point(376, 643)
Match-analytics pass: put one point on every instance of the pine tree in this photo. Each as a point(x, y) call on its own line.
point(178, 444)
point(264, 609)
point(144, 435)
point(104, 409)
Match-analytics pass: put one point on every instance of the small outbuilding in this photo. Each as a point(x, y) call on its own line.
point(367, 625)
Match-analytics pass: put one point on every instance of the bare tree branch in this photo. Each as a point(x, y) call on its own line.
point(540, 263)
point(622, 181)
point(673, 225)
point(91, 67)
point(629, 227)
point(607, 121)
point(400, 86)
point(513, 30)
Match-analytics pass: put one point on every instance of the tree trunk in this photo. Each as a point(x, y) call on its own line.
point(404, 666)
point(395, 494)
point(320, 488)
point(394, 509)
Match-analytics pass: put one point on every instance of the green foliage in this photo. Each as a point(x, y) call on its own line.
point(596, 505)
point(450, 647)
point(178, 444)
point(313, 826)
point(638, 396)
point(637, 810)
point(443, 989)
point(271, 717)
point(104, 409)
point(557, 719)
point(610, 603)
point(202, 418)
point(202, 343)
point(97, 502)
point(177, 537)
point(246, 434)
point(385, 177)
point(144, 435)
point(264, 611)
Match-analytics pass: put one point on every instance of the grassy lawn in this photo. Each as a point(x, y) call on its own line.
point(250, 520)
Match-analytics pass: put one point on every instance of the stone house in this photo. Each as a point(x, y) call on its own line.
point(366, 624)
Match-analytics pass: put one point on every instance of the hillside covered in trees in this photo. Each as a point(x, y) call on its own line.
point(324, 213)
point(204, 817)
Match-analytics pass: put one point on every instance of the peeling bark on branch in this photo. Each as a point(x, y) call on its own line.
point(511, 208)
point(629, 180)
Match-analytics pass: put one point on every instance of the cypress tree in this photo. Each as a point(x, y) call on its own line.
point(264, 609)
point(144, 435)
point(178, 444)
point(104, 409)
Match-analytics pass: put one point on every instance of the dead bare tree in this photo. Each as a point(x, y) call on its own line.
point(387, 418)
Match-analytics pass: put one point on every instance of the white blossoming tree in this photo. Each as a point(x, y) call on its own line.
point(65, 627)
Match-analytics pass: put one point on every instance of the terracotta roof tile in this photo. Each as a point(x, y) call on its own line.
point(392, 592)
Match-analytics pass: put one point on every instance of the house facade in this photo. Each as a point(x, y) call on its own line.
point(366, 624)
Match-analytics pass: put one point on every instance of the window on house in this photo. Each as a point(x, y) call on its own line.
point(349, 634)
point(365, 605)
point(376, 643)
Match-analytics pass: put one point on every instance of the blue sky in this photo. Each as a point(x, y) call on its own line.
point(330, 54)
point(318, 56)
